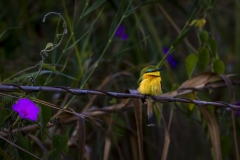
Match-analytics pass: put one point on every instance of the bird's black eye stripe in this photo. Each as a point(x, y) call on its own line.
point(154, 70)
point(149, 70)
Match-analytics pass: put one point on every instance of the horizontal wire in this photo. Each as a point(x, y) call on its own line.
point(133, 94)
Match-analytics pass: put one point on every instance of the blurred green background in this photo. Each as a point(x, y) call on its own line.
point(87, 59)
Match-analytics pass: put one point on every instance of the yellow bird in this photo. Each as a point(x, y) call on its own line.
point(150, 84)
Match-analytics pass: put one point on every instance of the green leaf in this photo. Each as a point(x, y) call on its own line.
point(193, 9)
point(203, 58)
point(218, 66)
point(7, 30)
point(175, 87)
point(116, 129)
point(58, 36)
point(93, 7)
point(211, 109)
point(23, 142)
point(45, 116)
point(86, 32)
point(5, 155)
point(213, 130)
point(120, 14)
point(226, 145)
point(203, 37)
point(49, 46)
point(190, 63)
point(4, 114)
point(213, 46)
point(59, 144)
point(113, 101)
point(158, 114)
point(48, 66)
point(192, 97)
point(181, 36)
point(130, 11)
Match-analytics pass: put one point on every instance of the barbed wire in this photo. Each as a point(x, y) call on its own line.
point(127, 94)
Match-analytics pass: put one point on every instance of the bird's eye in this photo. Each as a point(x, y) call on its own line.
point(149, 70)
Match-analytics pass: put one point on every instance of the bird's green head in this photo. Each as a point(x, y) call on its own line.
point(148, 69)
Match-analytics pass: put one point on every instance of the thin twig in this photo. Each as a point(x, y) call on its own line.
point(19, 147)
point(50, 48)
point(176, 28)
point(75, 91)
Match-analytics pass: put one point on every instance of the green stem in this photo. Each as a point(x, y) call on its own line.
point(16, 121)
point(165, 56)
point(106, 47)
point(80, 68)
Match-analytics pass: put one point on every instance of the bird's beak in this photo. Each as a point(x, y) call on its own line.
point(160, 69)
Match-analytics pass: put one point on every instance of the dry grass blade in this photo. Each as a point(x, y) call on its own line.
point(118, 148)
point(107, 148)
point(232, 97)
point(104, 82)
point(81, 135)
point(5, 155)
point(229, 86)
point(235, 135)
point(68, 117)
point(214, 132)
point(124, 104)
point(65, 113)
point(171, 21)
point(78, 138)
point(138, 115)
point(19, 147)
point(36, 140)
point(134, 146)
point(197, 82)
point(167, 138)
point(132, 137)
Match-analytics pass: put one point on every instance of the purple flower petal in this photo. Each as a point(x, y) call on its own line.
point(170, 58)
point(172, 61)
point(237, 113)
point(119, 31)
point(237, 103)
point(165, 50)
point(26, 109)
point(124, 36)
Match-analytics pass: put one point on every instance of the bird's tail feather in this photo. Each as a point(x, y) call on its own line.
point(150, 120)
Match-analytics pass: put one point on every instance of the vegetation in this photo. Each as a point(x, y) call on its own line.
point(102, 46)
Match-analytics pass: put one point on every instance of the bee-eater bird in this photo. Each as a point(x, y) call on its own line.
point(150, 84)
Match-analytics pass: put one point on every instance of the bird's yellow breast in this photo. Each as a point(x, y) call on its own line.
point(151, 84)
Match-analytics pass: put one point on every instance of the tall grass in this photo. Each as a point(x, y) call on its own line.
point(96, 54)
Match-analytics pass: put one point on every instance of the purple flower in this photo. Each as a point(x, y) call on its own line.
point(26, 109)
point(165, 50)
point(121, 33)
point(237, 103)
point(124, 36)
point(237, 113)
point(170, 58)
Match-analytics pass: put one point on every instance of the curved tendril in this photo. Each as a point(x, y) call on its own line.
point(42, 53)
